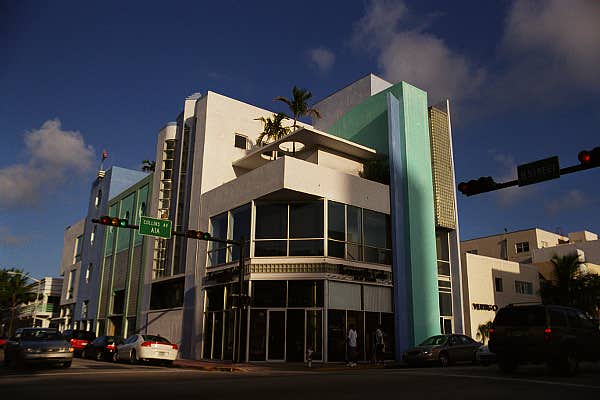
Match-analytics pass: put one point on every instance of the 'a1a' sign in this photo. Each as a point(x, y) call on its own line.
point(538, 171)
point(160, 228)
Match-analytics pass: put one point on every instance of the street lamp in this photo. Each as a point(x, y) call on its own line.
point(37, 296)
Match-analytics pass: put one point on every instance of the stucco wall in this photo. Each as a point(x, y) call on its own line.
point(480, 273)
point(67, 263)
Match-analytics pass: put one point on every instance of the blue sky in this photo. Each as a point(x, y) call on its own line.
point(76, 78)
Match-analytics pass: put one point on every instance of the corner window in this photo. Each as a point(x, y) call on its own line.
point(498, 284)
point(474, 251)
point(544, 244)
point(241, 141)
point(522, 247)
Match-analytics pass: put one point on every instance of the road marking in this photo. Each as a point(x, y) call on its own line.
point(120, 372)
point(502, 378)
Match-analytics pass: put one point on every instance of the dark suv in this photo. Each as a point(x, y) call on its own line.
point(557, 335)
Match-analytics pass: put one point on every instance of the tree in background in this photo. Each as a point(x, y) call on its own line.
point(14, 291)
point(569, 286)
point(483, 331)
point(298, 104)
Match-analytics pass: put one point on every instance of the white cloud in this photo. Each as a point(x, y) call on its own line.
point(321, 58)
point(513, 195)
point(8, 239)
point(574, 199)
point(410, 54)
point(549, 52)
point(54, 155)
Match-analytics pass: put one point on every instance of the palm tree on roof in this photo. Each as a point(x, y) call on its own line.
point(298, 104)
point(272, 128)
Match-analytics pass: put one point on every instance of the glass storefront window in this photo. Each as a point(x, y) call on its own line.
point(306, 220)
point(305, 294)
point(240, 228)
point(354, 233)
point(271, 221)
point(269, 293)
point(336, 221)
point(445, 304)
point(301, 248)
point(270, 248)
point(217, 252)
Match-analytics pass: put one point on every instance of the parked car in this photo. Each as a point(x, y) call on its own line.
point(2, 341)
point(559, 336)
point(138, 348)
point(443, 349)
point(79, 339)
point(102, 348)
point(37, 345)
point(484, 356)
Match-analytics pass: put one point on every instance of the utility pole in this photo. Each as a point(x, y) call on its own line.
point(241, 300)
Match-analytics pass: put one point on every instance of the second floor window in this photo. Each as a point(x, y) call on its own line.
point(498, 284)
point(523, 287)
point(522, 247)
point(78, 246)
point(241, 141)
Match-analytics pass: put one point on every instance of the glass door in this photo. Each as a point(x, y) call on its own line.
point(314, 333)
point(276, 335)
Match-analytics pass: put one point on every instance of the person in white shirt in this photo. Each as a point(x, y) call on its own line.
point(352, 343)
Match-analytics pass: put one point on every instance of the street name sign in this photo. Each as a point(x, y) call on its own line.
point(538, 171)
point(160, 228)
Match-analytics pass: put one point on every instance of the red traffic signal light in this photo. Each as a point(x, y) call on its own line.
point(112, 221)
point(192, 234)
point(476, 186)
point(590, 158)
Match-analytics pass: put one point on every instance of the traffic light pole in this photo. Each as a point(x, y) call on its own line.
point(497, 186)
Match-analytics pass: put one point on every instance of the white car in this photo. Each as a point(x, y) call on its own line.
point(138, 348)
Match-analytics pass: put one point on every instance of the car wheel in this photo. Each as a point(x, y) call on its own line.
point(168, 363)
point(485, 363)
point(133, 357)
point(115, 356)
point(84, 354)
point(507, 364)
point(98, 356)
point(66, 364)
point(444, 359)
point(474, 359)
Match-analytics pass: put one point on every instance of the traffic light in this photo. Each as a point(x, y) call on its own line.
point(192, 234)
point(476, 186)
point(590, 158)
point(112, 221)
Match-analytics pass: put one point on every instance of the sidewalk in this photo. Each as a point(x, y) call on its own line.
point(227, 366)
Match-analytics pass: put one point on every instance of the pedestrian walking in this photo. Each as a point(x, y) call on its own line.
point(352, 343)
point(379, 346)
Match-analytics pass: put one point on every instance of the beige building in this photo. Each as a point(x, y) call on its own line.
point(491, 283)
point(515, 246)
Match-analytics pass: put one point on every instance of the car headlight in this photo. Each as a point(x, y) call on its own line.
point(31, 350)
point(427, 352)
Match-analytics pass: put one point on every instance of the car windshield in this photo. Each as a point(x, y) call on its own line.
point(435, 340)
point(152, 338)
point(41, 334)
point(521, 316)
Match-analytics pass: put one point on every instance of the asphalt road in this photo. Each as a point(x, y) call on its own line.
point(88, 379)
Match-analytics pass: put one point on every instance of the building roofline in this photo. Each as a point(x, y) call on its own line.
point(350, 84)
point(508, 233)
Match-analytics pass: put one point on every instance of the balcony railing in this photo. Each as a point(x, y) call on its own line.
point(33, 308)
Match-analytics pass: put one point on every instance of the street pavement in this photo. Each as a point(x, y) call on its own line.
point(88, 379)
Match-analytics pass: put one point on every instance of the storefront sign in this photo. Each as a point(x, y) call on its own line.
point(485, 307)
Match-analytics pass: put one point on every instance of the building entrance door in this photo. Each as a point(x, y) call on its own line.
point(276, 335)
point(295, 335)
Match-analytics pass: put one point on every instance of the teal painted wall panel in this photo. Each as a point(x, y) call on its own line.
point(426, 315)
point(367, 124)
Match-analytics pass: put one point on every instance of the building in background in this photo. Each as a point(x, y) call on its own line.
point(329, 243)
point(70, 268)
point(122, 264)
point(89, 247)
point(44, 311)
point(492, 283)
